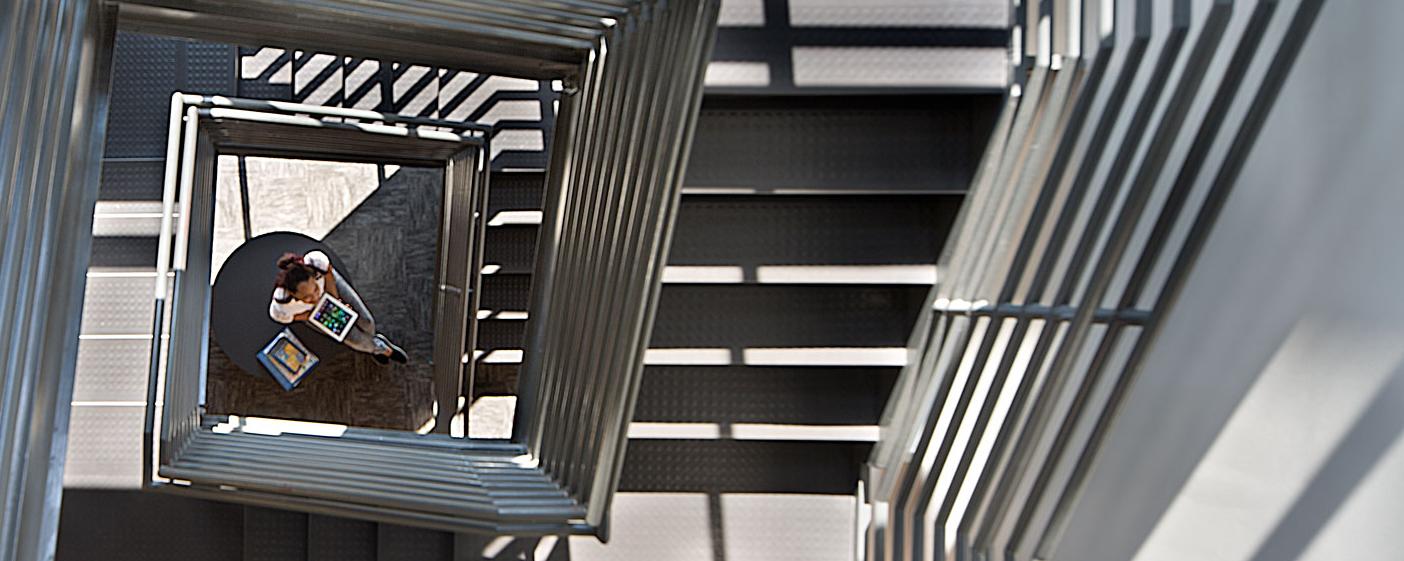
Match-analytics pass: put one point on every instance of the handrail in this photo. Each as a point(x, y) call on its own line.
point(612, 199)
point(626, 150)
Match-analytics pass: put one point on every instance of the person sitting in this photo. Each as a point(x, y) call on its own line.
point(299, 286)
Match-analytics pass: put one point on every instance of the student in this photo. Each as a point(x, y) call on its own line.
point(301, 280)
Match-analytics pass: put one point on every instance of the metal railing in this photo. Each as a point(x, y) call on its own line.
point(459, 484)
point(1081, 228)
point(612, 195)
point(54, 82)
point(627, 117)
point(632, 71)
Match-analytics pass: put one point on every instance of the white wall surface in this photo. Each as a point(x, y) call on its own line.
point(1266, 424)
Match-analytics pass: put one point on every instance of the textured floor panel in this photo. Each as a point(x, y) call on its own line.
point(501, 334)
point(340, 539)
point(132, 181)
point(738, 394)
point(653, 526)
point(132, 525)
point(112, 370)
point(403, 543)
point(786, 316)
point(761, 527)
point(274, 535)
point(506, 292)
point(742, 466)
point(730, 526)
point(104, 447)
point(129, 219)
point(144, 73)
point(516, 191)
point(838, 144)
point(753, 231)
point(513, 248)
point(124, 252)
point(118, 305)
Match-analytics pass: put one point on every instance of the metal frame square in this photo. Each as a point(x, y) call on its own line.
point(633, 75)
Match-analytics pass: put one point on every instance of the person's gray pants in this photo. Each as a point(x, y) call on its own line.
point(362, 335)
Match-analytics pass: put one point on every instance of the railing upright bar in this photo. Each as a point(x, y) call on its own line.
point(577, 305)
point(540, 363)
point(531, 387)
point(702, 19)
point(560, 460)
point(554, 362)
point(173, 426)
point(482, 190)
point(604, 267)
point(623, 257)
point(162, 285)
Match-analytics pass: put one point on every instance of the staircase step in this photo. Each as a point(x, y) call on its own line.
point(511, 248)
point(330, 538)
point(516, 191)
point(739, 394)
point(124, 251)
point(752, 231)
point(136, 525)
point(839, 144)
point(275, 535)
point(118, 305)
point(786, 316)
point(404, 543)
point(132, 180)
point(742, 466)
point(503, 291)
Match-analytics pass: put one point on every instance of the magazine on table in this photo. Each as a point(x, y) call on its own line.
point(287, 359)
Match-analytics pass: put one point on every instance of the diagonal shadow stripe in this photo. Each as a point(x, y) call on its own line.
point(403, 100)
point(302, 91)
point(1365, 444)
point(457, 100)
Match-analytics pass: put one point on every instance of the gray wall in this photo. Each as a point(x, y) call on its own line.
point(1265, 423)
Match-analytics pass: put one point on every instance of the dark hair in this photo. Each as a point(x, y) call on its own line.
point(292, 271)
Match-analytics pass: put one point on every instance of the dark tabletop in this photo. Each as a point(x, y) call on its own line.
point(242, 292)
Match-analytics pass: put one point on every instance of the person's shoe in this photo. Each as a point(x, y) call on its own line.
point(382, 359)
point(396, 353)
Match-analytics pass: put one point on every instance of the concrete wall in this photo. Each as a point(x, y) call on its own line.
point(1266, 422)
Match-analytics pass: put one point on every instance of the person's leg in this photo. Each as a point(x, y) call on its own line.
point(362, 335)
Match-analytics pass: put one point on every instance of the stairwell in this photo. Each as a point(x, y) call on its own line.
point(806, 241)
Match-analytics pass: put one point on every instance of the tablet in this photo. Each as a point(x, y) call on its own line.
point(333, 317)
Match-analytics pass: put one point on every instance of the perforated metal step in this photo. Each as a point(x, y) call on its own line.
point(843, 144)
point(785, 315)
point(738, 394)
point(403, 543)
point(274, 535)
point(340, 539)
point(124, 252)
point(742, 466)
point(132, 525)
point(755, 231)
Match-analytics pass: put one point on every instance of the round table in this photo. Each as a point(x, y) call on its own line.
point(242, 292)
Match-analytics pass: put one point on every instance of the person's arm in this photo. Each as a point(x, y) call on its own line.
point(319, 261)
point(329, 284)
point(278, 313)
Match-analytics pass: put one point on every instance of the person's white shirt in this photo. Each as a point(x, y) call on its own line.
point(284, 307)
